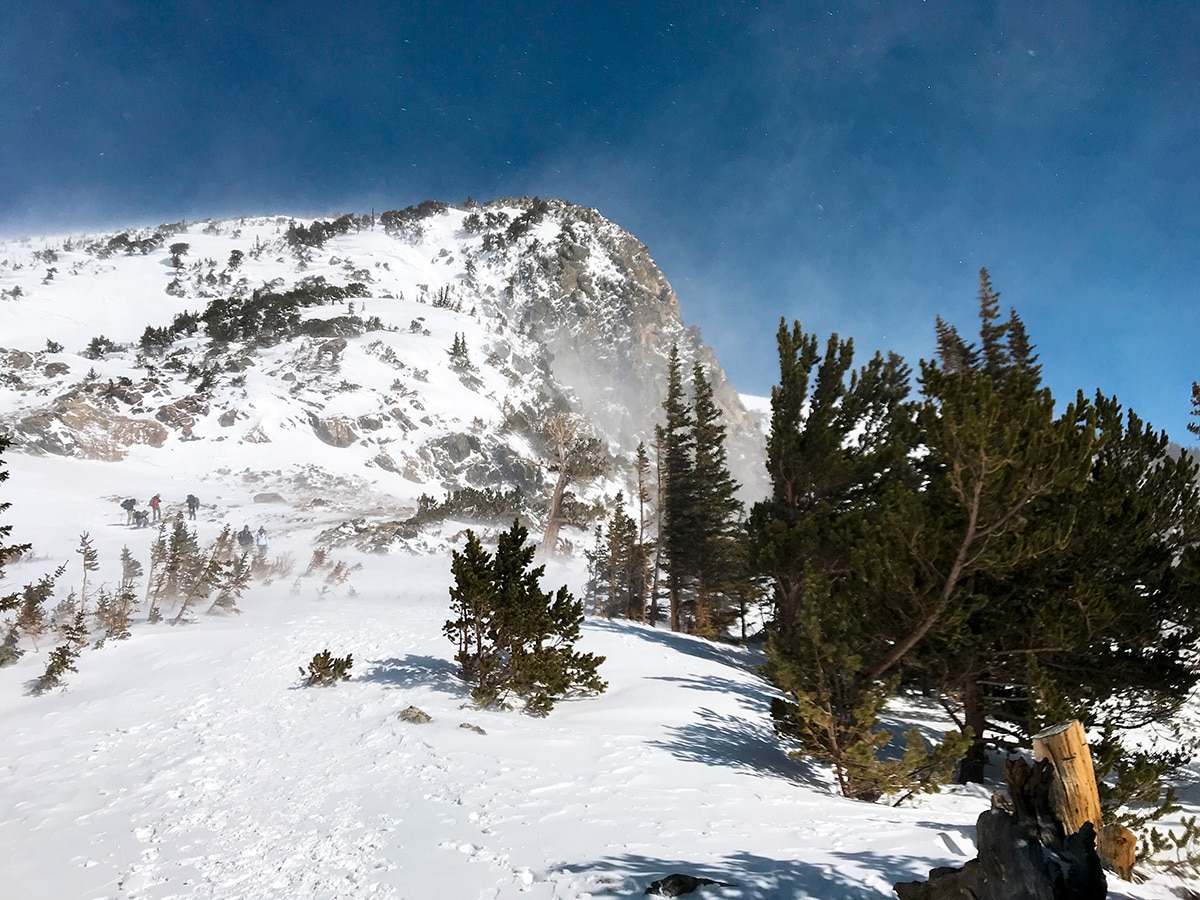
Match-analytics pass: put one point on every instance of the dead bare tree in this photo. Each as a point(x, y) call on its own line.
point(575, 455)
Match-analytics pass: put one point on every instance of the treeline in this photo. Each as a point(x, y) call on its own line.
point(972, 540)
point(263, 316)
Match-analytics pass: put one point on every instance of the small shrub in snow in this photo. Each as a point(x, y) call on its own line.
point(64, 656)
point(325, 669)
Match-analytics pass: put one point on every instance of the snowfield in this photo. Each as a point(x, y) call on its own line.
point(189, 762)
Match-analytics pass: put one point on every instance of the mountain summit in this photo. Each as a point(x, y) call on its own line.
point(429, 343)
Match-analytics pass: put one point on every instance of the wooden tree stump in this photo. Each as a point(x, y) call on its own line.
point(1076, 799)
point(1023, 855)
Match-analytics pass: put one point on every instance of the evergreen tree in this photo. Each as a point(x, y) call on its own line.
point(719, 565)
point(91, 563)
point(1194, 427)
point(235, 570)
point(156, 580)
point(596, 590)
point(620, 569)
point(8, 552)
point(645, 548)
point(838, 454)
point(214, 568)
point(27, 601)
point(678, 486)
point(62, 658)
point(472, 599)
point(994, 451)
point(839, 444)
point(131, 569)
point(513, 639)
point(1100, 627)
point(31, 615)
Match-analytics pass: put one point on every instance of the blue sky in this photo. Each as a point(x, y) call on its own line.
point(851, 165)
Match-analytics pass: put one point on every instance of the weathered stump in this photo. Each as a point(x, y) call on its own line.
point(1023, 855)
point(1076, 799)
point(1075, 796)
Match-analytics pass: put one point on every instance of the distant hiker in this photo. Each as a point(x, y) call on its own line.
point(128, 506)
point(245, 538)
point(141, 518)
point(155, 502)
point(260, 541)
point(193, 504)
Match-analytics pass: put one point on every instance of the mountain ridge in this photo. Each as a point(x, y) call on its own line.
point(341, 334)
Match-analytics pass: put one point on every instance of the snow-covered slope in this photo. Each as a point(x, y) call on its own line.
point(334, 347)
point(187, 762)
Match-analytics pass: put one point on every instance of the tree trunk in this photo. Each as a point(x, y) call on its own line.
point(550, 539)
point(971, 769)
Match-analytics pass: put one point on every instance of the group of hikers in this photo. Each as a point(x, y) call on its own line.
point(247, 539)
point(140, 518)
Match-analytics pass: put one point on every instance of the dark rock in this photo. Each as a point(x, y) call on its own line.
point(415, 715)
point(677, 884)
point(335, 431)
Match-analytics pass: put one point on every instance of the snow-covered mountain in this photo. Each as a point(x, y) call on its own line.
point(424, 347)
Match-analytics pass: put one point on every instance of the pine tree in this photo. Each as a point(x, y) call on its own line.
point(156, 579)
point(839, 444)
point(1099, 627)
point(660, 496)
point(596, 589)
point(513, 639)
point(91, 563)
point(1193, 427)
point(131, 569)
point(838, 454)
point(994, 450)
point(234, 572)
point(31, 616)
point(27, 601)
point(621, 566)
point(644, 547)
point(10, 551)
point(677, 527)
point(471, 601)
point(719, 558)
point(62, 658)
point(215, 568)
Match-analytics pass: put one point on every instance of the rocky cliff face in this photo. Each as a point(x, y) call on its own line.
point(422, 346)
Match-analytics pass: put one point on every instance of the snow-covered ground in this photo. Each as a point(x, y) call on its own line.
point(188, 762)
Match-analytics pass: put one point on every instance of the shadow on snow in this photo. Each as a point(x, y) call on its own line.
point(726, 654)
point(415, 671)
point(752, 877)
point(731, 743)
